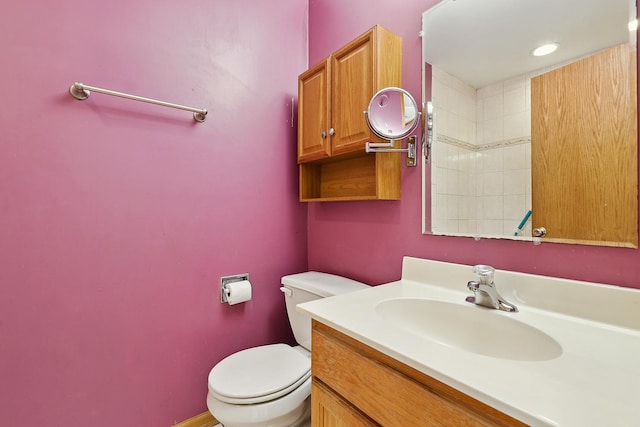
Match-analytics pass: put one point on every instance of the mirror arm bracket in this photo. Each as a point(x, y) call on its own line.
point(389, 147)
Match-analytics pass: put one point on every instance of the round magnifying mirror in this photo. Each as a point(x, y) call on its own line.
point(392, 113)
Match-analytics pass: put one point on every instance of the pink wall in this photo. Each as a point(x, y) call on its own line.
point(367, 240)
point(118, 218)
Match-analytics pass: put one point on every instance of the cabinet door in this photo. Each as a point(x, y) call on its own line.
point(330, 410)
point(352, 86)
point(358, 381)
point(313, 113)
point(584, 150)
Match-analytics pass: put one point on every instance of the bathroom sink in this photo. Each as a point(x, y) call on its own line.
point(471, 328)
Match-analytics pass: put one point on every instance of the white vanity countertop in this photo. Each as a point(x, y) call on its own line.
point(594, 382)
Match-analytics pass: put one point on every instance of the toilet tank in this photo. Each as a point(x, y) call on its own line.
point(309, 286)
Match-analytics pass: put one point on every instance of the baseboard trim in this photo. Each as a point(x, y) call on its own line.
point(202, 420)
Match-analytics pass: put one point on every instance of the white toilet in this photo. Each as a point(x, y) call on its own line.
point(270, 385)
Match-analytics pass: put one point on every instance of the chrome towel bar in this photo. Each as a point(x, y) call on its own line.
point(81, 92)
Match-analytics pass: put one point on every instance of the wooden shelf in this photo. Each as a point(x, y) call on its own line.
point(363, 176)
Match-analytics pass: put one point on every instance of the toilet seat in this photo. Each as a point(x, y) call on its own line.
point(259, 374)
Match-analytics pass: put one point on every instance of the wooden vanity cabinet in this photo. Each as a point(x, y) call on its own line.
point(356, 385)
point(332, 131)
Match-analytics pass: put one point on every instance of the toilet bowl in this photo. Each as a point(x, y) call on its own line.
point(270, 385)
point(261, 386)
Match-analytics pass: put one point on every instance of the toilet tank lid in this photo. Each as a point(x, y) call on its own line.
point(322, 284)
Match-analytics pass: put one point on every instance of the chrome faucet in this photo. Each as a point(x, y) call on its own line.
point(485, 292)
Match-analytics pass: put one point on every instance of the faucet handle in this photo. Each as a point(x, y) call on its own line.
point(484, 273)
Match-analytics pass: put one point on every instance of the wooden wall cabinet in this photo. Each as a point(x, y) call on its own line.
point(355, 385)
point(332, 131)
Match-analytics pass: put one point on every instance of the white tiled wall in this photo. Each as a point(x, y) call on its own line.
point(454, 189)
point(504, 111)
point(481, 157)
point(504, 180)
point(456, 104)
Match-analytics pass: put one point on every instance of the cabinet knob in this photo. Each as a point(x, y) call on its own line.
point(323, 134)
point(332, 131)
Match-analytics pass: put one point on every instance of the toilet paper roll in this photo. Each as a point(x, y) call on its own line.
point(238, 292)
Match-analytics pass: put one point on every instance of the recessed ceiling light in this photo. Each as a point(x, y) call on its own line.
point(545, 49)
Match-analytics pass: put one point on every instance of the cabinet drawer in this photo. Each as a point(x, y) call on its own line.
point(392, 396)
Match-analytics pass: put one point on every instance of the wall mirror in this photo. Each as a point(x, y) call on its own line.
point(393, 114)
point(526, 145)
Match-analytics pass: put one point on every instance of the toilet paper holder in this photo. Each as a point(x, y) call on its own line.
point(224, 281)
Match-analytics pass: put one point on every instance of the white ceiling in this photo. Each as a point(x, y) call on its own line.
point(485, 41)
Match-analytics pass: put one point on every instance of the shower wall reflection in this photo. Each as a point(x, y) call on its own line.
point(482, 158)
